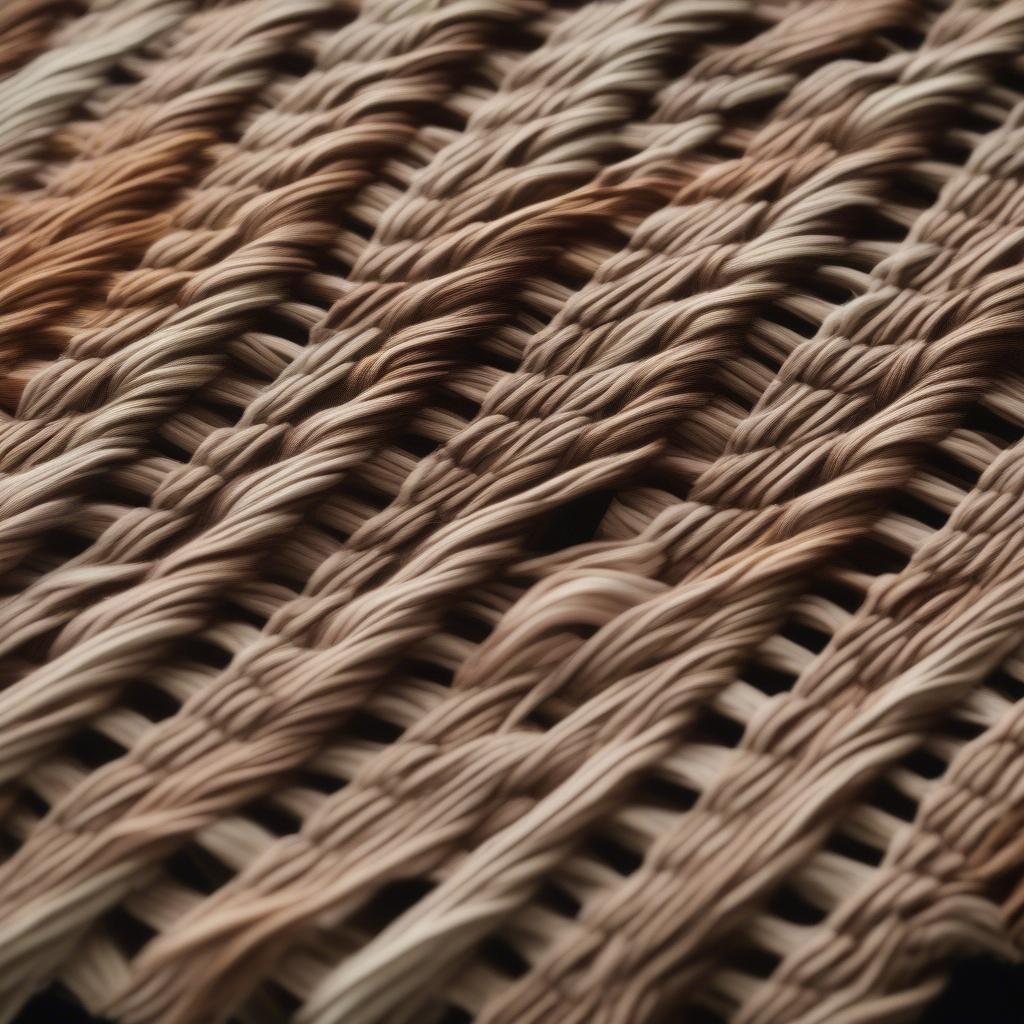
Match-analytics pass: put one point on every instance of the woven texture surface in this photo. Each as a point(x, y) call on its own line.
point(511, 511)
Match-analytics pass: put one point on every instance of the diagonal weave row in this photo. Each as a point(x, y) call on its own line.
point(511, 511)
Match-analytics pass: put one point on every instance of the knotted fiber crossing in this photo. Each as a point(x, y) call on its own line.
point(512, 511)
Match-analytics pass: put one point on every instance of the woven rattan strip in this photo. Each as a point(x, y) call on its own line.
point(511, 511)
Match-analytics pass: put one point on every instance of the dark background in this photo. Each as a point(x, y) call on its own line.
point(981, 991)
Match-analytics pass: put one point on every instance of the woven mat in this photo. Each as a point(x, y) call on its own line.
point(512, 512)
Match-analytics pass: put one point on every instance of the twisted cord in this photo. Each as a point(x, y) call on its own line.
point(25, 29)
point(39, 96)
point(936, 869)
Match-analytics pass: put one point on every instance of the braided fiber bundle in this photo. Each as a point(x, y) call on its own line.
point(512, 511)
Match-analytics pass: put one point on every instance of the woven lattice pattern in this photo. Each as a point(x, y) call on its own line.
point(512, 511)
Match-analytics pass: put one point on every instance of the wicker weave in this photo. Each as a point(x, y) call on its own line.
point(511, 512)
